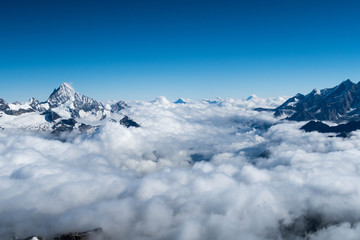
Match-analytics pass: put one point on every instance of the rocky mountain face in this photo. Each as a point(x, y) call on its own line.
point(338, 104)
point(3, 105)
point(96, 233)
point(342, 130)
point(119, 106)
point(66, 96)
point(65, 111)
point(180, 101)
point(128, 122)
point(16, 110)
point(333, 104)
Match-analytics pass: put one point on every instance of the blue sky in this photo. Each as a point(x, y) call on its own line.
point(177, 48)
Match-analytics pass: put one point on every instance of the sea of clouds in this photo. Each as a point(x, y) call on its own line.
point(200, 170)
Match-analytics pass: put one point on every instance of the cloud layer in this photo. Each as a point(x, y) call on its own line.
point(192, 171)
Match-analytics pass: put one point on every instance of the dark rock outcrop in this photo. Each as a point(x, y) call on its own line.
point(84, 128)
point(338, 103)
point(198, 157)
point(68, 125)
point(18, 112)
point(51, 116)
point(302, 226)
point(80, 235)
point(65, 125)
point(87, 235)
point(260, 109)
point(128, 122)
point(342, 129)
point(3, 105)
point(118, 106)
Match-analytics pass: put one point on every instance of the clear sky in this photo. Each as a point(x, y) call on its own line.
point(177, 48)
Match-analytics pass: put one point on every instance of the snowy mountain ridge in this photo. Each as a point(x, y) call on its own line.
point(66, 97)
point(341, 102)
point(64, 111)
point(69, 111)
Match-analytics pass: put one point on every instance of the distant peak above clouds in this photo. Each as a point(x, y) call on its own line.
point(341, 102)
point(63, 94)
point(66, 97)
point(65, 89)
point(64, 111)
point(252, 97)
point(180, 101)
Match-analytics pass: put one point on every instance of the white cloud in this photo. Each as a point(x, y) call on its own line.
point(143, 183)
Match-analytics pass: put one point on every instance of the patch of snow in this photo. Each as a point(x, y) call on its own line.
point(293, 104)
point(63, 111)
point(30, 121)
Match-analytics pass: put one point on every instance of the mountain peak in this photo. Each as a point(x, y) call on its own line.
point(66, 98)
point(315, 91)
point(347, 81)
point(61, 95)
point(345, 84)
point(66, 86)
point(66, 89)
point(327, 104)
point(180, 101)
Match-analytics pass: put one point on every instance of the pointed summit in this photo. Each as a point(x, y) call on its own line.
point(35, 104)
point(66, 88)
point(61, 95)
point(347, 82)
point(65, 97)
point(315, 91)
point(3, 105)
point(180, 101)
point(338, 103)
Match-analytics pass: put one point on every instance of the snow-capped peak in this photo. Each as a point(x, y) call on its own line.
point(66, 85)
point(61, 95)
point(65, 99)
point(66, 88)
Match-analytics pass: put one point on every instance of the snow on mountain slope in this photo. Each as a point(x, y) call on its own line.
point(30, 121)
point(65, 98)
point(66, 106)
point(341, 102)
point(63, 104)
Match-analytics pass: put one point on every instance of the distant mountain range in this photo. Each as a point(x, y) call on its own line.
point(67, 110)
point(64, 111)
point(339, 103)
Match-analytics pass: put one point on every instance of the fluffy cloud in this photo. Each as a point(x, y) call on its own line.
point(192, 171)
